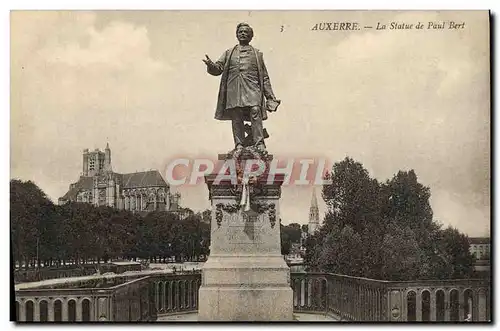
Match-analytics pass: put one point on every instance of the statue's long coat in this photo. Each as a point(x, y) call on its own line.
point(222, 67)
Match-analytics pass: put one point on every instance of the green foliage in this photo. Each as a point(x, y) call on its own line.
point(305, 228)
point(401, 254)
point(384, 230)
point(332, 256)
point(81, 232)
point(290, 234)
point(285, 241)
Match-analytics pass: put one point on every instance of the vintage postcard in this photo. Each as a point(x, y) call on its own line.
point(291, 166)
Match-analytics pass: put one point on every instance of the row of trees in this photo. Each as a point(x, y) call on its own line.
point(384, 230)
point(81, 232)
point(52, 235)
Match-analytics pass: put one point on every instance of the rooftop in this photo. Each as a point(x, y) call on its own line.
point(479, 240)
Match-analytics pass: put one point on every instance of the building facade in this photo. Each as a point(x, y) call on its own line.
point(480, 247)
point(101, 186)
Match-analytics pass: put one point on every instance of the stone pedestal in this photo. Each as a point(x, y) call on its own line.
point(245, 277)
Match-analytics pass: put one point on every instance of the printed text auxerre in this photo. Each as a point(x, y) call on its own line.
point(333, 26)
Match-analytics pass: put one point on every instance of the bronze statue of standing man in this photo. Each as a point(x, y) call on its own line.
point(245, 92)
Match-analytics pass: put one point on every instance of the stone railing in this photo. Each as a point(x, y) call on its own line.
point(144, 298)
point(95, 300)
point(361, 299)
point(175, 293)
point(439, 300)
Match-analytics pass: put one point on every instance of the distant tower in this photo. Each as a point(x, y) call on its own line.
point(85, 162)
point(93, 162)
point(313, 214)
point(175, 201)
point(107, 158)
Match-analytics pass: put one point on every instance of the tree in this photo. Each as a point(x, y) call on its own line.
point(454, 250)
point(352, 198)
point(341, 252)
point(30, 213)
point(406, 201)
point(286, 243)
point(206, 216)
point(80, 231)
point(386, 229)
point(305, 228)
point(402, 254)
point(313, 247)
point(293, 232)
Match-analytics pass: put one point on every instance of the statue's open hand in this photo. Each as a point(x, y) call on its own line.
point(208, 61)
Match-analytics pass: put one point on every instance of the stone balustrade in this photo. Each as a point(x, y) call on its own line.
point(176, 293)
point(439, 300)
point(362, 299)
point(139, 298)
point(128, 301)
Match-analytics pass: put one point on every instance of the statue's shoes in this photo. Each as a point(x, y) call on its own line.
point(236, 150)
point(261, 150)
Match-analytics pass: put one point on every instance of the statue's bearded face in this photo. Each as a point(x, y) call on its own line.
point(244, 34)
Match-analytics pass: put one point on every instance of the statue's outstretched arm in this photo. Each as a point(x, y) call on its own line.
point(215, 69)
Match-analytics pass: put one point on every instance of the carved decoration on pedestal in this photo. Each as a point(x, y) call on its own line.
point(230, 208)
point(272, 215)
point(256, 191)
point(256, 206)
point(218, 214)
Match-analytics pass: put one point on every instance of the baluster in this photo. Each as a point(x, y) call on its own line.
point(447, 307)
point(189, 295)
point(433, 303)
point(157, 296)
point(50, 310)
point(309, 304)
point(359, 306)
point(168, 296)
point(302, 292)
point(295, 294)
point(418, 305)
point(488, 305)
point(347, 301)
point(371, 304)
point(65, 309)
point(404, 307)
point(461, 305)
point(186, 294)
point(339, 304)
point(354, 302)
point(481, 305)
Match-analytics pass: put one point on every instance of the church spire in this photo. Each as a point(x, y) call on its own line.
point(314, 200)
point(313, 214)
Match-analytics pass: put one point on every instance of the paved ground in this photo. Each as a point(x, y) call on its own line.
point(193, 317)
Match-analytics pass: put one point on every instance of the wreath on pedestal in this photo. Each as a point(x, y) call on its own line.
point(258, 207)
point(250, 187)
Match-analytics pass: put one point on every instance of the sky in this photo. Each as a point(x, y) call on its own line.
point(390, 99)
